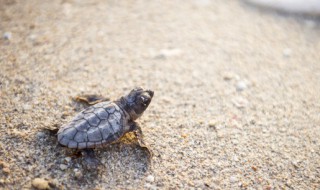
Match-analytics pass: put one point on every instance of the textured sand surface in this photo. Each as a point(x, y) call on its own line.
point(236, 102)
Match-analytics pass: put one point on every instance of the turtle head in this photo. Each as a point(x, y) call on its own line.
point(137, 101)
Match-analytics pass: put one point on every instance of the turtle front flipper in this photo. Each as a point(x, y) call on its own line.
point(135, 127)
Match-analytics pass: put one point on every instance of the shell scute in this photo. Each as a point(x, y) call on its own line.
point(72, 144)
point(90, 144)
point(70, 132)
point(82, 125)
point(82, 145)
point(81, 137)
point(111, 109)
point(79, 116)
point(101, 113)
point(64, 141)
point(94, 135)
point(105, 129)
point(93, 127)
point(94, 121)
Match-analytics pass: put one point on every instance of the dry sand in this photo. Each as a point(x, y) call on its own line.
point(236, 103)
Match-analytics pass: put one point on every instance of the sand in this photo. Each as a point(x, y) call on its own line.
point(236, 102)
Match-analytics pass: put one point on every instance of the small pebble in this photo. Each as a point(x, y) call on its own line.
point(149, 186)
point(32, 37)
point(26, 107)
point(235, 142)
point(54, 183)
point(7, 36)
point(295, 164)
point(212, 123)
point(228, 76)
point(283, 129)
point(150, 178)
point(241, 85)
point(268, 187)
point(77, 173)
point(40, 183)
point(166, 53)
point(184, 135)
point(190, 183)
point(68, 159)
point(41, 135)
point(235, 158)
point(63, 166)
point(287, 52)
point(233, 179)
point(6, 170)
point(3, 164)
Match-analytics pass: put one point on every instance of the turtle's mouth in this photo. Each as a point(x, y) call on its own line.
point(145, 104)
point(150, 92)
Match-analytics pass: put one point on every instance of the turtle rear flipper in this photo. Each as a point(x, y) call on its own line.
point(90, 99)
point(91, 161)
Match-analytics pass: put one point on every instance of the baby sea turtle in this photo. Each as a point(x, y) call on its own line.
point(105, 123)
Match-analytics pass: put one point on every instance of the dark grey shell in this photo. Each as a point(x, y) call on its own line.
point(94, 127)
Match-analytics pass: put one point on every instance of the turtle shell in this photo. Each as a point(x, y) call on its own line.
point(94, 127)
